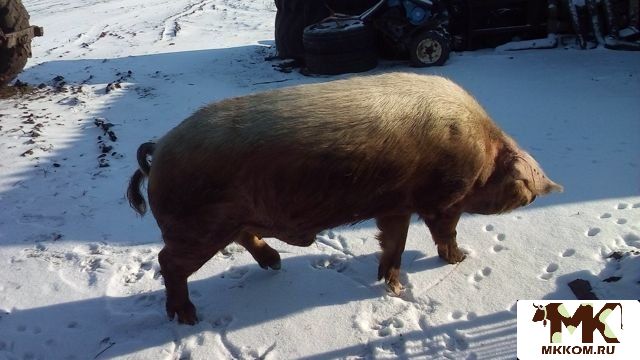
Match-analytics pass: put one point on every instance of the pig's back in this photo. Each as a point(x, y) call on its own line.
point(360, 141)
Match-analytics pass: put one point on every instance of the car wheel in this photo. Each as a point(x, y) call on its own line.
point(429, 48)
point(339, 45)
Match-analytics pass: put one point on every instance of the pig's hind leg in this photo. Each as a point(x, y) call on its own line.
point(181, 257)
point(260, 250)
point(392, 238)
point(443, 231)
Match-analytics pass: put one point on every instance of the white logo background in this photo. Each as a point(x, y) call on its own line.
point(532, 336)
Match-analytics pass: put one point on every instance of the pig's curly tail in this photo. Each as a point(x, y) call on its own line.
point(136, 200)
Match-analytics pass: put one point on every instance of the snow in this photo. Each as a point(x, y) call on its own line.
point(79, 276)
point(549, 42)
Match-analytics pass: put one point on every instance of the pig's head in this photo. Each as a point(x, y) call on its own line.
point(516, 181)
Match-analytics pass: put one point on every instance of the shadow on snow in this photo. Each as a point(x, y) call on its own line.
point(228, 304)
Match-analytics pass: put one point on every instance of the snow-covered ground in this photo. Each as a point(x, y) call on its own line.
point(78, 271)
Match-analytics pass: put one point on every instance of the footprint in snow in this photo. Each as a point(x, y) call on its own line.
point(620, 206)
point(336, 242)
point(631, 239)
point(234, 273)
point(456, 315)
point(145, 301)
point(548, 271)
point(138, 273)
point(42, 220)
point(460, 315)
point(499, 247)
point(73, 325)
point(479, 275)
point(593, 231)
point(333, 262)
point(221, 322)
point(195, 294)
point(387, 327)
point(329, 234)
point(143, 266)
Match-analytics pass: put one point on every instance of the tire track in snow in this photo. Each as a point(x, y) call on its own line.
point(172, 26)
point(91, 36)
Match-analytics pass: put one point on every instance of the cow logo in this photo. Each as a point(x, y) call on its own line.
point(557, 315)
point(565, 329)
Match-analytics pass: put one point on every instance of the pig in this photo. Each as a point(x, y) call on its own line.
point(291, 162)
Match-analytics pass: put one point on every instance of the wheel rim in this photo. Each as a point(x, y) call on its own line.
point(428, 51)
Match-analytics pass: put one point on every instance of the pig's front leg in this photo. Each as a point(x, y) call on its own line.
point(443, 230)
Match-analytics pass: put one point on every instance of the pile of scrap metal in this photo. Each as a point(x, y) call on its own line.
point(293, 16)
point(613, 24)
point(337, 36)
point(478, 24)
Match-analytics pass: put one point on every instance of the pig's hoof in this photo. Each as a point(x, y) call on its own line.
point(272, 262)
point(395, 287)
point(269, 259)
point(274, 266)
point(451, 254)
point(186, 313)
point(392, 278)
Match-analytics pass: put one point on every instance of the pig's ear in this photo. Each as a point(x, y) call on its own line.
point(528, 170)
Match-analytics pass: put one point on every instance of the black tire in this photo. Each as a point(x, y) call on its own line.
point(429, 48)
point(13, 17)
point(334, 64)
point(291, 19)
point(337, 36)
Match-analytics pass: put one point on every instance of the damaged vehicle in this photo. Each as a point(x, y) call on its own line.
point(413, 29)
